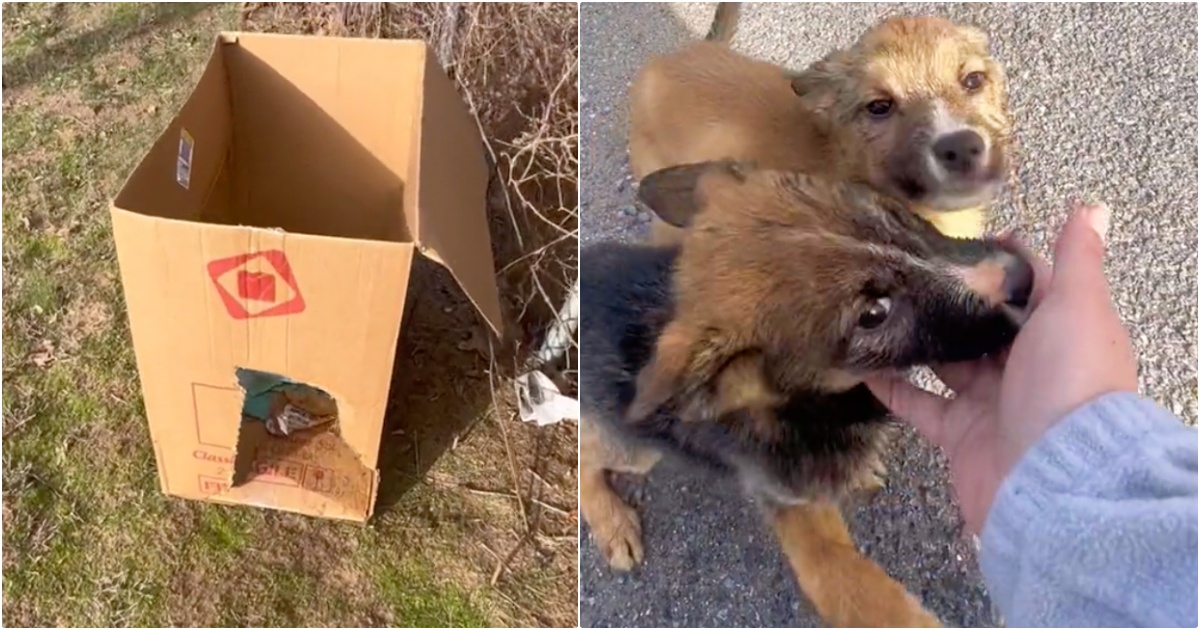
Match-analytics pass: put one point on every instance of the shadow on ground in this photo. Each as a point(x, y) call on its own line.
point(79, 50)
point(438, 390)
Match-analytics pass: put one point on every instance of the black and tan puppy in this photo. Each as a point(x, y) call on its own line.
point(917, 109)
point(743, 348)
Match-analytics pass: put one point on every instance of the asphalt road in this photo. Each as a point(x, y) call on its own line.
point(1103, 98)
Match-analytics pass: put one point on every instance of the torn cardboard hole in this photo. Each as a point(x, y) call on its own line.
point(289, 435)
point(283, 405)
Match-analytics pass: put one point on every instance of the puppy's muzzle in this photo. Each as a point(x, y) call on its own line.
point(1003, 280)
point(961, 154)
point(1017, 286)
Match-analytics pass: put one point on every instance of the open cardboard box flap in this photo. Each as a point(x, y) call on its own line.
point(272, 227)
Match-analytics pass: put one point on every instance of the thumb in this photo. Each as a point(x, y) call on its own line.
point(1079, 253)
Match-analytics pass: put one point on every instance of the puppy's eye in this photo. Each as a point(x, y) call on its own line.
point(973, 81)
point(877, 313)
point(880, 108)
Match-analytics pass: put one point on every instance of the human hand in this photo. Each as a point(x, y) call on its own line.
point(1072, 349)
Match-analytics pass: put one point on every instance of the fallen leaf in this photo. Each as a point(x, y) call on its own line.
point(44, 355)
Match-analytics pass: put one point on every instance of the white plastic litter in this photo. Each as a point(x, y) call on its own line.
point(539, 399)
point(559, 338)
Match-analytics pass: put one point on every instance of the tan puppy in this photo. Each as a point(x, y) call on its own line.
point(917, 109)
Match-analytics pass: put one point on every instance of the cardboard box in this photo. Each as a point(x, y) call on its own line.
point(272, 228)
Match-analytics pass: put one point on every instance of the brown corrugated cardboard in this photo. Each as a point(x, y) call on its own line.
point(272, 227)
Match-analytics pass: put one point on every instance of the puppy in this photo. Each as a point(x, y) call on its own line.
point(744, 346)
point(917, 109)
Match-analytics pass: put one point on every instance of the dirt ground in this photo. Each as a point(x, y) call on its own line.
point(476, 522)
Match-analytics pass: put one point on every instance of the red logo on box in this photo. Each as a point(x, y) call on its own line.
point(260, 292)
point(253, 285)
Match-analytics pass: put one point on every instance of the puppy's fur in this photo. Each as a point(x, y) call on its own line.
point(941, 146)
point(743, 349)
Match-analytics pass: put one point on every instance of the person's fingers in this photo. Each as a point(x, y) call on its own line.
point(926, 412)
point(1079, 253)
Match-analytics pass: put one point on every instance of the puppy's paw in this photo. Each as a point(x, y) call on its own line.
point(917, 616)
point(897, 609)
point(619, 537)
point(872, 478)
point(924, 620)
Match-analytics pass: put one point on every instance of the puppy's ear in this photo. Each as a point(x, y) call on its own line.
point(675, 193)
point(697, 368)
point(818, 85)
point(664, 375)
point(976, 37)
point(742, 385)
point(744, 392)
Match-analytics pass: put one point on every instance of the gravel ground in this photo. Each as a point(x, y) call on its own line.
point(1103, 97)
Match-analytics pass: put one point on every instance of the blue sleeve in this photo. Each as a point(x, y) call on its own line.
point(1096, 525)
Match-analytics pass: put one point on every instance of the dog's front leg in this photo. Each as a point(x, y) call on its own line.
point(847, 589)
point(615, 526)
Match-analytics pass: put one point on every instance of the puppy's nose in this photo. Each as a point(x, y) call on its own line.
point(1003, 278)
point(960, 153)
point(1018, 282)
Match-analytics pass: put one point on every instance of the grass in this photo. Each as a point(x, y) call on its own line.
point(88, 537)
